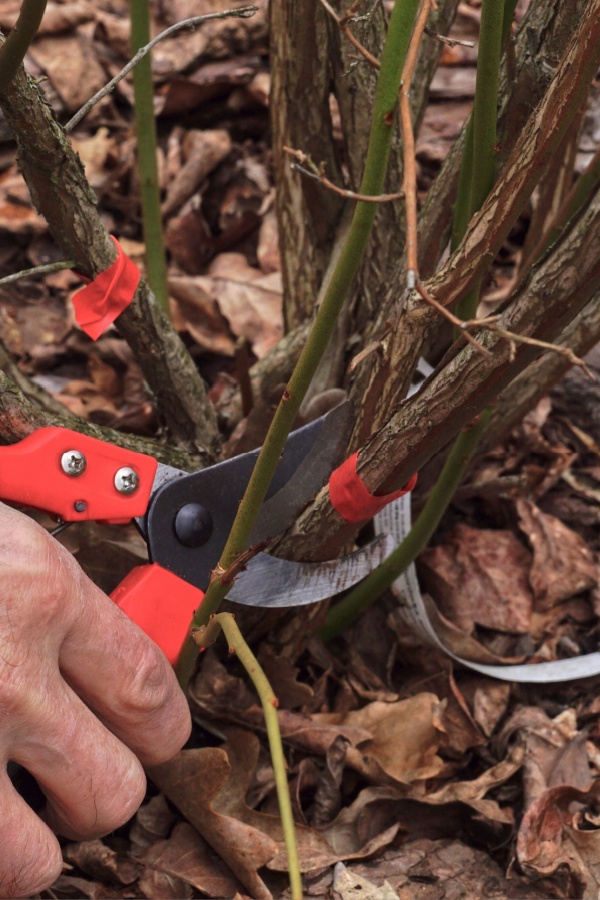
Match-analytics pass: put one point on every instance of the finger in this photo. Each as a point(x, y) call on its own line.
point(125, 678)
point(92, 781)
point(30, 860)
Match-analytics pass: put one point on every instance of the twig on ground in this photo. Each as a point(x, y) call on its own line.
point(203, 637)
point(244, 12)
point(318, 175)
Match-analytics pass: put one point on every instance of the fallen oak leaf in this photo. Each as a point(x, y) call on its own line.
point(552, 836)
point(192, 780)
point(404, 737)
point(186, 857)
point(563, 565)
point(480, 577)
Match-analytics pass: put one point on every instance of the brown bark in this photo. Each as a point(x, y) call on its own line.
point(311, 58)
point(539, 46)
point(382, 386)
point(307, 214)
point(19, 416)
point(553, 295)
point(61, 193)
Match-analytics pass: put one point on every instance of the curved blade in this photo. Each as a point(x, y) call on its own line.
point(280, 510)
point(273, 583)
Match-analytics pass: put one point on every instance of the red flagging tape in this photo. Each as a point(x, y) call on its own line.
point(351, 498)
point(99, 303)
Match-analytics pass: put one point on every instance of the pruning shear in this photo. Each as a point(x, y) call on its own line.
point(185, 518)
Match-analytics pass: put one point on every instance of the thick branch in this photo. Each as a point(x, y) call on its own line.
point(556, 291)
point(19, 416)
point(12, 53)
point(60, 192)
point(388, 379)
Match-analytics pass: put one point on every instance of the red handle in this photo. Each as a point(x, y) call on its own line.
point(75, 476)
point(161, 603)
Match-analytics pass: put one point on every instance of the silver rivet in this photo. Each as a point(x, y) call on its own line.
point(73, 463)
point(126, 480)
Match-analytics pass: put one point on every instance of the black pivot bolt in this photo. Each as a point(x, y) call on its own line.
point(193, 525)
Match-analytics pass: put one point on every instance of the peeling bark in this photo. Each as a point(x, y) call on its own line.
point(466, 382)
point(382, 386)
point(19, 416)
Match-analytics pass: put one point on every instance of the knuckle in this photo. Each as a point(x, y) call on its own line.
point(35, 571)
point(176, 733)
point(102, 803)
point(153, 700)
point(120, 799)
point(149, 688)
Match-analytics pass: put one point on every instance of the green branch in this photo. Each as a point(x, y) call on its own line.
point(203, 637)
point(386, 97)
point(477, 176)
point(12, 52)
point(145, 129)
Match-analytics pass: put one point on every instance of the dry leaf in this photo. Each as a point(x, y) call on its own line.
point(195, 310)
point(405, 737)
point(350, 887)
point(72, 67)
point(203, 151)
point(250, 301)
point(551, 837)
point(481, 577)
point(186, 858)
point(193, 780)
point(563, 565)
point(555, 754)
point(96, 859)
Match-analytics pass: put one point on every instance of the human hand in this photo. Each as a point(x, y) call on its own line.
point(85, 699)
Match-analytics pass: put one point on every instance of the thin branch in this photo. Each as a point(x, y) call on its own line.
point(206, 635)
point(330, 307)
point(244, 12)
point(353, 40)
point(458, 323)
point(408, 145)
point(544, 345)
point(147, 157)
point(451, 42)
point(38, 270)
point(318, 175)
point(489, 323)
point(13, 51)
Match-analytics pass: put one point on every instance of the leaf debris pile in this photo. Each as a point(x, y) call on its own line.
point(409, 777)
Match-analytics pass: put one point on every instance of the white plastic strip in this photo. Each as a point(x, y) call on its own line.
point(396, 520)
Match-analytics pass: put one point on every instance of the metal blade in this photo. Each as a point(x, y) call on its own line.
point(273, 583)
point(282, 508)
point(218, 490)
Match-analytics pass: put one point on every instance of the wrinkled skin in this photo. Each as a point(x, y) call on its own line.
point(86, 699)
